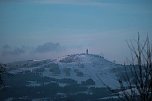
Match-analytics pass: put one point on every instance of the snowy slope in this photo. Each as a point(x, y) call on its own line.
point(79, 67)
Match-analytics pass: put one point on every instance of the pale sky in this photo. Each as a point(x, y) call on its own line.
point(43, 29)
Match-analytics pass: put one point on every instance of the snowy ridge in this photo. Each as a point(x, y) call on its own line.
point(79, 67)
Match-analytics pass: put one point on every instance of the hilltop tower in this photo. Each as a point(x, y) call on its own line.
point(87, 51)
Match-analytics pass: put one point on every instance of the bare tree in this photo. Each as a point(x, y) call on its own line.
point(138, 76)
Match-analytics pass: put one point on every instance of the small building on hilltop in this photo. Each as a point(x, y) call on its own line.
point(87, 52)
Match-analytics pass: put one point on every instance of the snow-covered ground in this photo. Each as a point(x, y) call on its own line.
point(79, 67)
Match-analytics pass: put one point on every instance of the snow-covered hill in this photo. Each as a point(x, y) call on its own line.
point(70, 78)
point(78, 67)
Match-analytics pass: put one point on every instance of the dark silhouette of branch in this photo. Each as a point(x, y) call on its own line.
point(139, 82)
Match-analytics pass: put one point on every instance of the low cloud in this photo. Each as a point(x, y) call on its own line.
point(49, 47)
point(45, 51)
point(8, 50)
